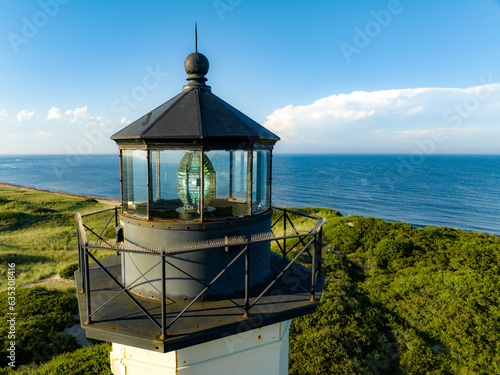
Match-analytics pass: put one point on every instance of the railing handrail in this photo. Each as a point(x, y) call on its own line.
point(81, 229)
point(84, 251)
point(98, 212)
point(295, 212)
point(190, 246)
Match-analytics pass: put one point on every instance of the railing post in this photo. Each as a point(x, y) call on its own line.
point(116, 216)
point(316, 260)
point(163, 298)
point(313, 273)
point(116, 224)
point(84, 269)
point(87, 284)
point(79, 248)
point(320, 244)
point(285, 216)
point(247, 281)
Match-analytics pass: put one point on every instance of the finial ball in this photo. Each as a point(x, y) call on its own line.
point(196, 63)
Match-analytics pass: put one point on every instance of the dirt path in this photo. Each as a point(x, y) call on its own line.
point(52, 281)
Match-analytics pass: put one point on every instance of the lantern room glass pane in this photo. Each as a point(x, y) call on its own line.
point(261, 187)
point(164, 198)
point(178, 189)
point(176, 184)
point(135, 178)
point(230, 199)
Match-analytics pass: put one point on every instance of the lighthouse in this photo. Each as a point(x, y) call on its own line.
point(192, 285)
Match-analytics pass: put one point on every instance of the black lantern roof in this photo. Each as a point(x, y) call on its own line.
point(196, 117)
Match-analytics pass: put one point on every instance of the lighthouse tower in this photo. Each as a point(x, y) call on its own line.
point(193, 286)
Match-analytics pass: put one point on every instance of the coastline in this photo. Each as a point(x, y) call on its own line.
point(104, 200)
point(443, 191)
point(117, 202)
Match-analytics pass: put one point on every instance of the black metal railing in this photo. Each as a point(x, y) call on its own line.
point(288, 241)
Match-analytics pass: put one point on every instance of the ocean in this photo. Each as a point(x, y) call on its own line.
point(458, 191)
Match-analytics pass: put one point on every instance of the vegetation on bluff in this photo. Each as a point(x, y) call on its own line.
point(402, 300)
point(397, 299)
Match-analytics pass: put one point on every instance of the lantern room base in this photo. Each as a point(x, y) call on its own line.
point(258, 351)
point(123, 322)
point(192, 214)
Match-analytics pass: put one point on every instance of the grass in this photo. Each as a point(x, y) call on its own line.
point(89, 361)
point(93, 360)
point(37, 232)
point(41, 315)
point(42, 348)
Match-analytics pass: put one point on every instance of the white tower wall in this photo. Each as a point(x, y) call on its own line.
point(262, 351)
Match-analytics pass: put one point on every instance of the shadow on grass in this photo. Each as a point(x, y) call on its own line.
point(14, 220)
point(19, 259)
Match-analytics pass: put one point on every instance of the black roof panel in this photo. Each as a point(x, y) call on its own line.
point(195, 114)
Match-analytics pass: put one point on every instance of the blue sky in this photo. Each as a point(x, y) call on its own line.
point(326, 76)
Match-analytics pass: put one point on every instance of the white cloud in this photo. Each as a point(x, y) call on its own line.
point(78, 115)
point(97, 122)
point(421, 133)
point(54, 114)
point(401, 113)
point(416, 110)
point(16, 136)
point(125, 121)
point(48, 131)
point(438, 132)
point(42, 135)
point(24, 115)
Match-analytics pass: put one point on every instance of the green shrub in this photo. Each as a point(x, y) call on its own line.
point(41, 314)
point(84, 361)
point(388, 250)
point(430, 304)
point(69, 271)
point(341, 238)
